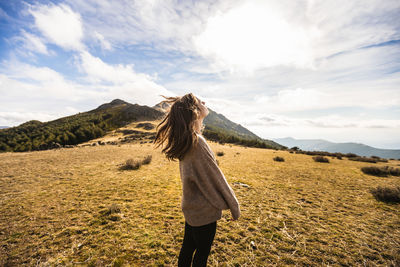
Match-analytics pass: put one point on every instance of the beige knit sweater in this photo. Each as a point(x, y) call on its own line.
point(205, 190)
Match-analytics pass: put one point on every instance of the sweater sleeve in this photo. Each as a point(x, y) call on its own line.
point(211, 181)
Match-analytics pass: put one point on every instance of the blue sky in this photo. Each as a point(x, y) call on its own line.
point(304, 69)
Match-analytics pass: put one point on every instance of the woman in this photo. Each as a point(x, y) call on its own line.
point(205, 190)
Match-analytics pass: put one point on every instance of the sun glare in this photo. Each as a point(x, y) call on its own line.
point(253, 36)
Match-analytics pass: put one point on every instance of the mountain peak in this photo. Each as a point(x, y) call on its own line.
point(162, 106)
point(118, 101)
point(115, 102)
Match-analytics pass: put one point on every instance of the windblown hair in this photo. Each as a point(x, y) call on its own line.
point(177, 128)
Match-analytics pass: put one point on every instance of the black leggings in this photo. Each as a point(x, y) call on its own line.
point(199, 238)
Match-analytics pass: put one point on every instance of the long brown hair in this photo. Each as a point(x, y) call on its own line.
point(177, 128)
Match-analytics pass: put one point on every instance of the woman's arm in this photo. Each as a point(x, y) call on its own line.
point(211, 181)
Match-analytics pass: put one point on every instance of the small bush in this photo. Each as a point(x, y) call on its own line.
point(114, 208)
point(364, 159)
point(351, 155)
point(279, 159)
point(339, 157)
point(381, 171)
point(376, 171)
point(321, 159)
point(379, 159)
point(323, 153)
point(220, 153)
point(147, 160)
point(131, 164)
point(393, 171)
point(387, 194)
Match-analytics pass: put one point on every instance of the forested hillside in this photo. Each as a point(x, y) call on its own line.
point(85, 126)
point(74, 129)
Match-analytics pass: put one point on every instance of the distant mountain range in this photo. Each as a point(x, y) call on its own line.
point(85, 126)
point(3, 127)
point(323, 145)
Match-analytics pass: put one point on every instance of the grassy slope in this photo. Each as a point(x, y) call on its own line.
point(297, 212)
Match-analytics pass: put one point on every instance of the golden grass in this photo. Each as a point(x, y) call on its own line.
point(75, 207)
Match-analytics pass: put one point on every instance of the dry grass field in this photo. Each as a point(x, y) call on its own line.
point(76, 207)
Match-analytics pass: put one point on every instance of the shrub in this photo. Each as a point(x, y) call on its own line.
point(131, 164)
point(387, 194)
point(113, 208)
point(147, 159)
point(279, 159)
point(111, 213)
point(320, 153)
point(339, 157)
point(321, 159)
point(372, 170)
point(394, 171)
point(381, 171)
point(351, 155)
point(363, 159)
point(379, 159)
point(220, 153)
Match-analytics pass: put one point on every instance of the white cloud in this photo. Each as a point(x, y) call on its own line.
point(105, 45)
point(97, 70)
point(365, 78)
point(46, 91)
point(346, 25)
point(122, 81)
point(33, 43)
point(160, 24)
point(309, 99)
point(14, 118)
point(24, 81)
point(244, 36)
point(296, 99)
point(255, 35)
point(20, 70)
point(60, 25)
point(24, 98)
point(329, 121)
